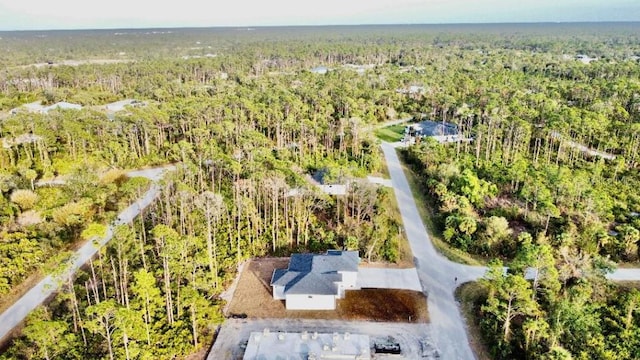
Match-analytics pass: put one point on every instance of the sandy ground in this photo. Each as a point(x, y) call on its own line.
point(254, 299)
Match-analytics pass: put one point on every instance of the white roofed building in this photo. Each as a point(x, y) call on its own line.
point(267, 345)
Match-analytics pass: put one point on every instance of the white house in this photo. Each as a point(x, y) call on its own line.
point(411, 90)
point(314, 282)
point(334, 189)
point(7, 143)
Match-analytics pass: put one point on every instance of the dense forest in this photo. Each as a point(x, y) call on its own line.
point(250, 127)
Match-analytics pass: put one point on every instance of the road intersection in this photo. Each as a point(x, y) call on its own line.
point(438, 276)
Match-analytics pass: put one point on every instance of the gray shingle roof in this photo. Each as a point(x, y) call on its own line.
point(301, 262)
point(315, 274)
point(313, 284)
point(336, 261)
point(432, 128)
point(279, 277)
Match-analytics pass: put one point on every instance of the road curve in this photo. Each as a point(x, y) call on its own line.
point(438, 275)
point(15, 314)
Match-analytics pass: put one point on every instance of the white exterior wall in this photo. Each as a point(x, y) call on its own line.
point(349, 279)
point(310, 302)
point(278, 292)
point(446, 138)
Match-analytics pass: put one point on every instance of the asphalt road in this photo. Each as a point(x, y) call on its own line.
point(440, 276)
point(15, 314)
point(437, 274)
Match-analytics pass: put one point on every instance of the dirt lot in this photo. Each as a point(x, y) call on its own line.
point(253, 298)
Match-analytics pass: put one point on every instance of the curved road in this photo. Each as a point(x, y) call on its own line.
point(437, 274)
point(15, 314)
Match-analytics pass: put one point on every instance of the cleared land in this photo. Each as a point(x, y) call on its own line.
point(253, 298)
point(391, 133)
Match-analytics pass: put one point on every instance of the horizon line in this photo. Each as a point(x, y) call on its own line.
point(328, 25)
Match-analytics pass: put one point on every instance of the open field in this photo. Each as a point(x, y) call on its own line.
point(253, 298)
point(391, 133)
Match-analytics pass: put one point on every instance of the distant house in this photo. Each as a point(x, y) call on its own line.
point(585, 59)
point(7, 143)
point(360, 69)
point(333, 189)
point(120, 105)
point(440, 131)
point(314, 282)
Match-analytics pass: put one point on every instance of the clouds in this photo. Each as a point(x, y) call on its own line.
point(43, 14)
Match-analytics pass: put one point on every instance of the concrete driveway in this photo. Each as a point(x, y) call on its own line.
point(378, 278)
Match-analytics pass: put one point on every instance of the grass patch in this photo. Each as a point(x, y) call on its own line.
point(427, 213)
point(629, 284)
point(405, 256)
point(393, 133)
point(470, 295)
point(383, 170)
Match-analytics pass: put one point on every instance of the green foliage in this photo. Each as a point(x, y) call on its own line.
point(391, 133)
point(47, 338)
point(20, 254)
point(26, 199)
point(473, 188)
point(251, 124)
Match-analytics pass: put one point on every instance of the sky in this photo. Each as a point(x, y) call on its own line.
point(98, 14)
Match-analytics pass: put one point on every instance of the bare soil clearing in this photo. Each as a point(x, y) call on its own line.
point(253, 298)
